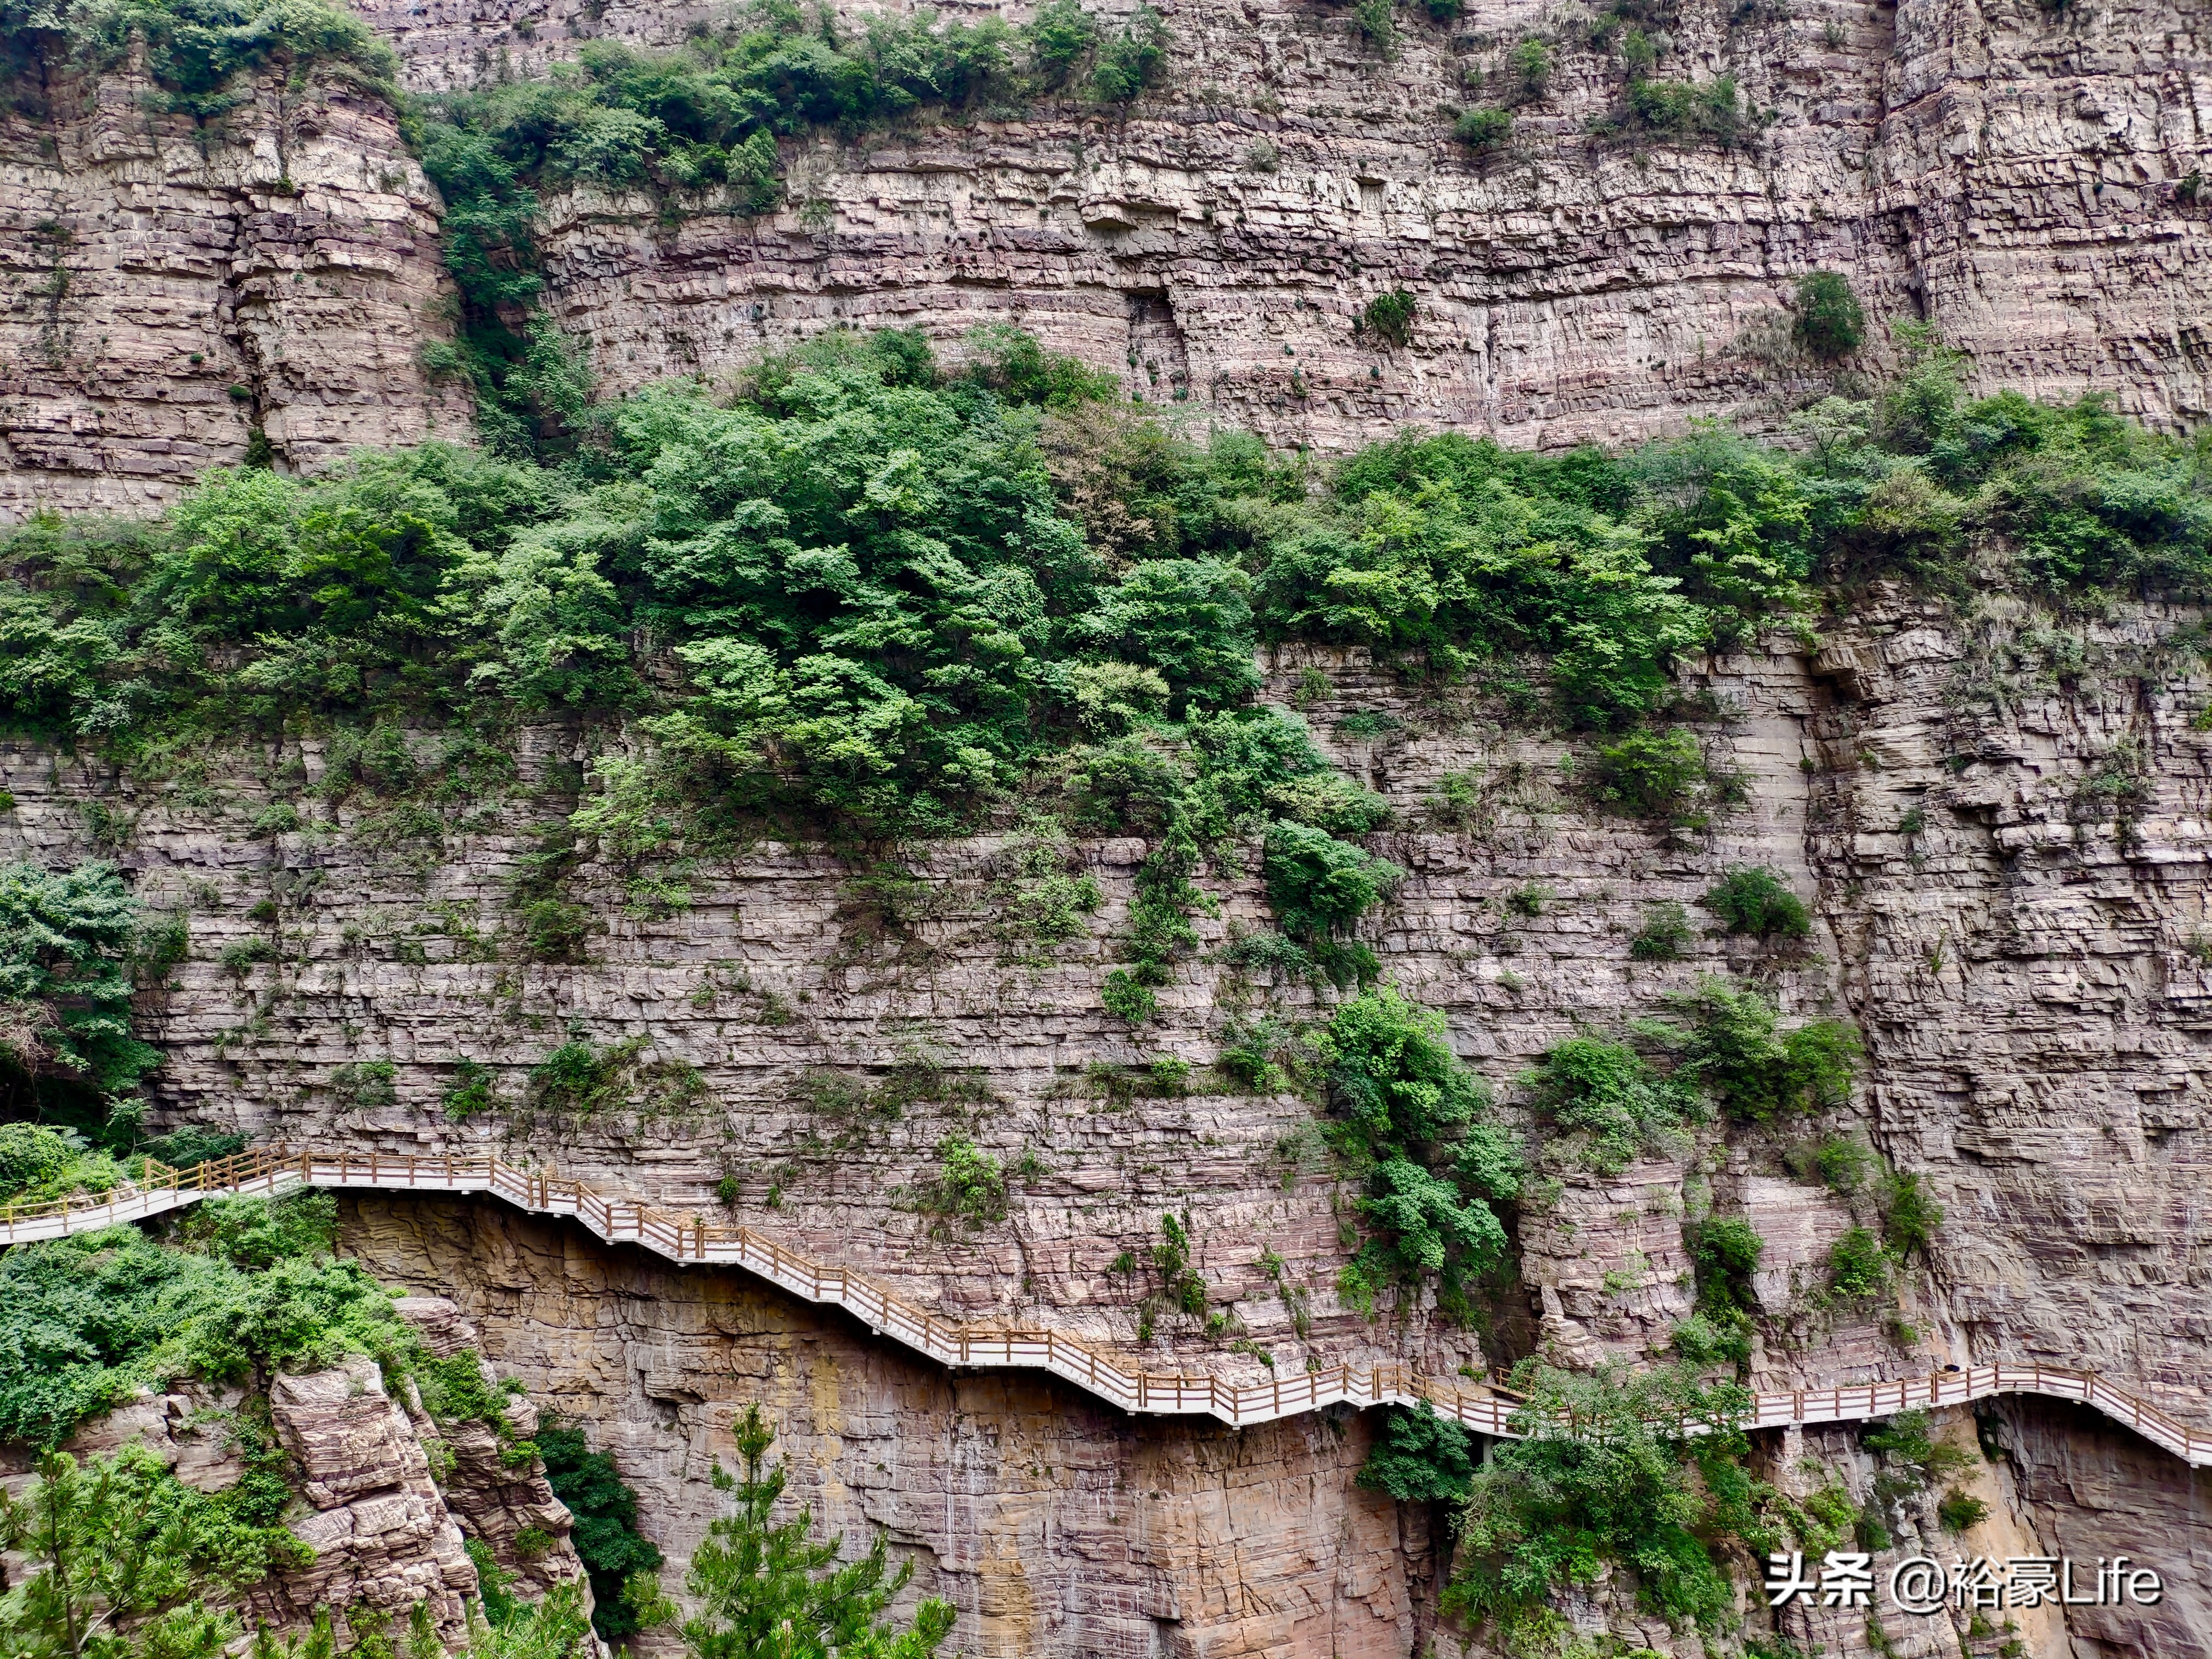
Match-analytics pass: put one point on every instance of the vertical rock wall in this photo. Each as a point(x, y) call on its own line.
point(2018, 175)
point(2015, 173)
point(172, 285)
point(1057, 1527)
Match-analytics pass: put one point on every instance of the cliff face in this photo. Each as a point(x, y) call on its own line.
point(2007, 172)
point(2001, 822)
point(172, 285)
point(2018, 175)
point(1055, 1525)
point(2001, 819)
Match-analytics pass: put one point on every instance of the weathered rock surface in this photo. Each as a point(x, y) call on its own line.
point(1056, 1526)
point(2001, 822)
point(171, 285)
point(380, 1532)
point(509, 1506)
point(2021, 971)
point(383, 1537)
point(2095, 1492)
point(2016, 174)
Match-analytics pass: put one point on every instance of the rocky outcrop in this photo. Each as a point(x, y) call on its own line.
point(2094, 1492)
point(380, 1531)
point(383, 1538)
point(2016, 174)
point(174, 286)
point(494, 1485)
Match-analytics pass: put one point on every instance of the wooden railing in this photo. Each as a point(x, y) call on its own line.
point(689, 1238)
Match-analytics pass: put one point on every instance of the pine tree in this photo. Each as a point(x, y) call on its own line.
point(757, 1590)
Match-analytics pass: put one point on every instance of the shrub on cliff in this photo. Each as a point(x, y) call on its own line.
point(1753, 899)
point(1612, 1096)
point(1455, 550)
point(606, 1537)
point(1484, 128)
point(1724, 1252)
point(86, 1319)
point(1420, 1457)
point(1830, 321)
point(66, 942)
point(1406, 1110)
point(196, 50)
point(868, 588)
point(1634, 1468)
point(1731, 1046)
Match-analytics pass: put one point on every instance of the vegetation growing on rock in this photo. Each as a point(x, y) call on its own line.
point(94, 1317)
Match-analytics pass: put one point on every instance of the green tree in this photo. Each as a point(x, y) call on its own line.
point(1420, 1457)
point(129, 1563)
point(1630, 1467)
point(606, 1537)
point(1831, 322)
point(66, 943)
point(1724, 1252)
point(1612, 1092)
point(761, 1588)
point(1732, 1048)
point(1391, 1071)
point(86, 1319)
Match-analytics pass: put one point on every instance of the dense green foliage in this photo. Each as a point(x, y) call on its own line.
point(127, 1562)
point(1420, 1457)
point(1483, 128)
point(1389, 317)
point(195, 49)
point(1611, 1095)
point(86, 1319)
point(867, 588)
point(505, 1626)
point(65, 947)
point(1728, 1052)
point(1405, 1120)
point(1724, 1252)
point(1909, 1218)
point(1682, 110)
point(606, 1537)
point(1729, 1044)
point(1664, 931)
point(1753, 899)
point(760, 1587)
point(1830, 321)
point(39, 1164)
point(1637, 1468)
point(1858, 1267)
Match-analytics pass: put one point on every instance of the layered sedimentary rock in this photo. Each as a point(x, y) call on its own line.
point(383, 1538)
point(380, 1531)
point(1999, 820)
point(2024, 177)
point(496, 1495)
point(1055, 1525)
point(173, 286)
point(801, 1045)
point(2018, 176)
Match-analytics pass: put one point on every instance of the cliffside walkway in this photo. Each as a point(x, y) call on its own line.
point(684, 1239)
